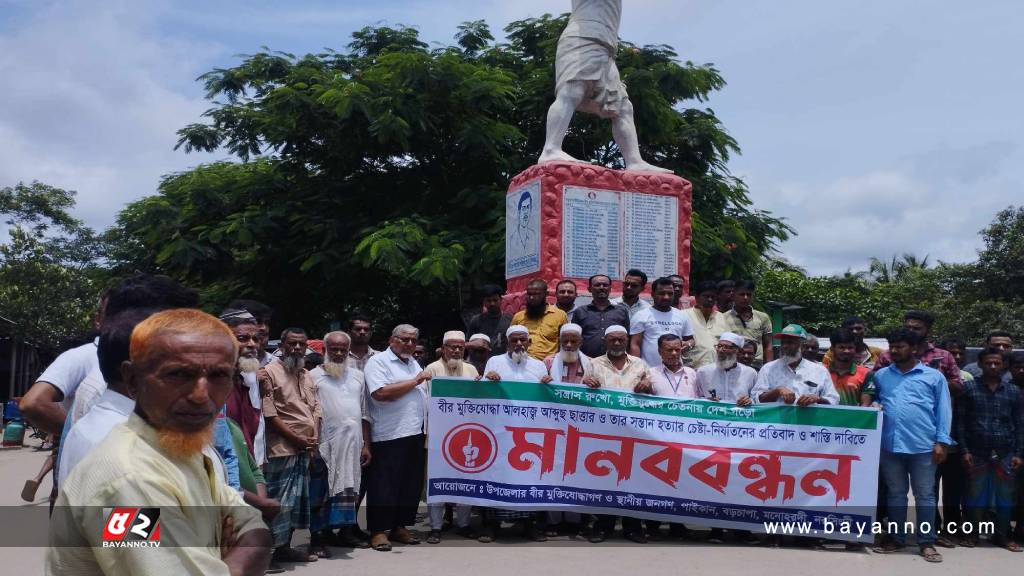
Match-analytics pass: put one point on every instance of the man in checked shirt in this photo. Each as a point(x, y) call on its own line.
point(990, 431)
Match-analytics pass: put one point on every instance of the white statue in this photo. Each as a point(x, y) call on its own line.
point(587, 79)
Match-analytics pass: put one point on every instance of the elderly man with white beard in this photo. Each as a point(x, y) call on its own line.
point(451, 364)
point(793, 379)
point(568, 365)
point(515, 365)
point(292, 412)
point(244, 404)
point(617, 370)
point(335, 473)
point(726, 380)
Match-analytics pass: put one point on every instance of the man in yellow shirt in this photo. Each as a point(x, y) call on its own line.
point(181, 370)
point(541, 319)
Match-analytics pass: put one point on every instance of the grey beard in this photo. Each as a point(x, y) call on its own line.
point(293, 364)
point(453, 364)
point(791, 359)
point(727, 363)
point(334, 369)
point(570, 356)
point(616, 353)
point(517, 357)
point(247, 365)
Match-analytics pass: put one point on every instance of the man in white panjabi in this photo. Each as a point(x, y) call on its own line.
point(587, 79)
point(450, 365)
point(568, 365)
point(517, 366)
point(344, 444)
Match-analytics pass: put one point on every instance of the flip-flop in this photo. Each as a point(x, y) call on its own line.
point(933, 556)
point(889, 548)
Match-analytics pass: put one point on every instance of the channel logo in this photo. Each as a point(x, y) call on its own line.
point(131, 528)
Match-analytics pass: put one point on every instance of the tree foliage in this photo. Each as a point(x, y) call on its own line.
point(968, 300)
point(49, 276)
point(377, 174)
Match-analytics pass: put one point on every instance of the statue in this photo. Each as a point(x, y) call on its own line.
point(587, 79)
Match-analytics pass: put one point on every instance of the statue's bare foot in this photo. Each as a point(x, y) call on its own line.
point(642, 166)
point(557, 155)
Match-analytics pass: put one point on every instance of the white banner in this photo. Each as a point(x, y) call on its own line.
point(532, 446)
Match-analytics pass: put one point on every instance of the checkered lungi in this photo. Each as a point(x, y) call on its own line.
point(288, 483)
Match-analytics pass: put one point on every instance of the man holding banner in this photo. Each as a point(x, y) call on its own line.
point(793, 379)
point(515, 365)
point(618, 371)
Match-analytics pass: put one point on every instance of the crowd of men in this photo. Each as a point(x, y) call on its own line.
point(239, 447)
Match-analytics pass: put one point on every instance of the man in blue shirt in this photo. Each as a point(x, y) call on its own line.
point(915, 435)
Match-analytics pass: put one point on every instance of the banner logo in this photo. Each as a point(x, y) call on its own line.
point(470, 448)
point(131, 528)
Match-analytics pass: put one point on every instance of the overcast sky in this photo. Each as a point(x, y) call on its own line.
point(874, 127)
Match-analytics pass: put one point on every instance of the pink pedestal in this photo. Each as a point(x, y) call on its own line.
point(553, 177)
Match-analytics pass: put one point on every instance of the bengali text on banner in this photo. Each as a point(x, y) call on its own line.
point(533, 446)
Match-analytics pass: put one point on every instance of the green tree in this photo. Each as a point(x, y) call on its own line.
point(377, 175)
point(49, 276)
point(1001, 262)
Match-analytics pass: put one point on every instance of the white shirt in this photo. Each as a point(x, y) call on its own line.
point(679, 384)
point(529, 370)
point(640, 304)
point(778, 374)
point(343, 403)
point(653, 323)
point(110, 410)
point(402, 417)
point(87, 395)
point(70, 368)
point(729, 385)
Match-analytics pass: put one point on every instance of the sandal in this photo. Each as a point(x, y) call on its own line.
point(888, 548)
point(434, 537)
point(289, 554)
point(968, 542)
point(320, 551)
point(1008, 544)
point(380, 543)
point(403, 536)
point(930, 554)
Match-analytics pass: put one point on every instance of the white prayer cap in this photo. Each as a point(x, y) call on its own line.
point(516, 329)
point(570, 327)
point(615, 328)
point(479, 336)
point(453, 335)
point(732, 338)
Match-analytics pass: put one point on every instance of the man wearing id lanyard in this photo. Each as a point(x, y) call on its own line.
point(671, 378)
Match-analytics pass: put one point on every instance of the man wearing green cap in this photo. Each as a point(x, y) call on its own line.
point(791, 378)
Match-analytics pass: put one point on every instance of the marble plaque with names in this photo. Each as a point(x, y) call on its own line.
point(650, 233)
point(591, 232)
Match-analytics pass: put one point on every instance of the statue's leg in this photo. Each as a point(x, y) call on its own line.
point(559, 116)
point(624, 131)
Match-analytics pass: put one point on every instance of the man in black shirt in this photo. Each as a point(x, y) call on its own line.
point(595, 317)
point(491, 321)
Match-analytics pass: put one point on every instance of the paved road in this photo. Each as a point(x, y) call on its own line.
point(560, 556)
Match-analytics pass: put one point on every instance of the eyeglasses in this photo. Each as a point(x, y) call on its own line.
point(408, 340)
